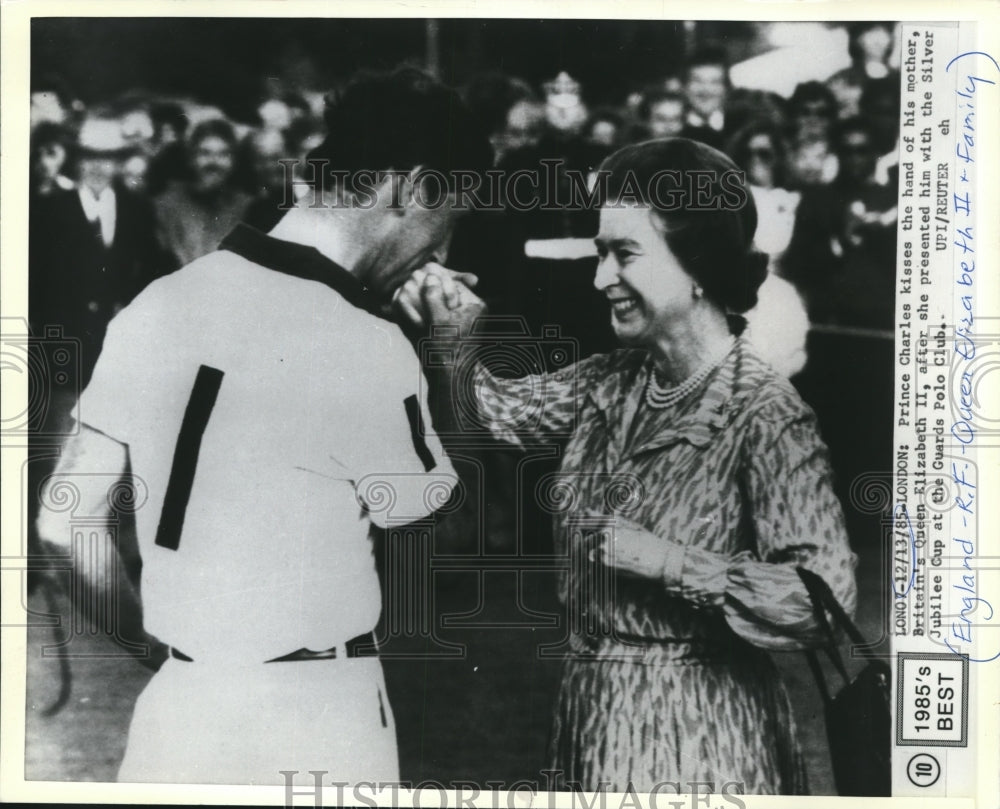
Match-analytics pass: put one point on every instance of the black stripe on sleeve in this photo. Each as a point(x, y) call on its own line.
point(417, 433)
point(199, 410)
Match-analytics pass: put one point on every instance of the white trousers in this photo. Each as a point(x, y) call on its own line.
point(220, 723)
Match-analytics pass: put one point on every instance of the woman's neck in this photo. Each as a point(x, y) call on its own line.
point(687, 343)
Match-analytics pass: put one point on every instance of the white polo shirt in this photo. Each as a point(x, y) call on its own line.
point(271, 416)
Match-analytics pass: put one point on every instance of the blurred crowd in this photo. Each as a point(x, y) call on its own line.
point(126, 191)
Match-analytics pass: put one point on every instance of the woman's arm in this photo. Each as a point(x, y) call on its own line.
point(465, 397)
point(797, 520)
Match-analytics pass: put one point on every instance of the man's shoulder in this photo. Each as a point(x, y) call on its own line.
point(207, 283)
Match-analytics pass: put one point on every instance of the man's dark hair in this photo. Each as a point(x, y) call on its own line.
point(168, 113)
point(397, 121)
point(810, 92)
point(656, 95)
point(491, 95)
point(213, 128)
point(709, 54)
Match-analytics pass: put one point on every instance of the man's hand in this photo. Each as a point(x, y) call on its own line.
point(437, 295)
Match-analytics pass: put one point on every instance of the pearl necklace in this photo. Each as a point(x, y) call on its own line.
point(659, 397)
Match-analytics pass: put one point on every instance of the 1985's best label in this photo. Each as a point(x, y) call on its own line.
point(932, 700)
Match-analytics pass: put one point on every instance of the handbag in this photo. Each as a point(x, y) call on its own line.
point(858, 718)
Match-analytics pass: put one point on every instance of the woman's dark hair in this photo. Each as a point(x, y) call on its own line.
point(713, 242)
point(398, 121)
point(738, 147)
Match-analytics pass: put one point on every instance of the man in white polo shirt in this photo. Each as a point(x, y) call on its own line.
point(271, 411)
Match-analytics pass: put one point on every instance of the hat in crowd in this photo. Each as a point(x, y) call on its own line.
point(102, 136)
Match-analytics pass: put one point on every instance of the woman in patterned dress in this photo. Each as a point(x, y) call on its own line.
point(693, 482)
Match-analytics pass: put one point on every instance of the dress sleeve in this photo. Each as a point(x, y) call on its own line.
point(538, 406)
point(797, 521)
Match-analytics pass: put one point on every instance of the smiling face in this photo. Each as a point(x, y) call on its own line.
point(666, 118)
point(97, 171)
point(641, 277)
point(706, 88)
point(212, 160)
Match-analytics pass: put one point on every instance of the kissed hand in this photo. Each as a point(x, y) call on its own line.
point(439, 296)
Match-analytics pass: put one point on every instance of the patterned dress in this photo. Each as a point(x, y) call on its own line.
point(670, 680)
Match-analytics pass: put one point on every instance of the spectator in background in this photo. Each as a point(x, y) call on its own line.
point(759, 149)
point(842, 253)
point(812, 111)
point(706, 86)
point(137, 128)
point(135, 173)
point(869, 45)
point(508, 109)
point(778, 324)
point(302, 137)
point(880, 108)
point(605, 128)
point(193, 216)
point(261, 153)
point(525, 124)
point(564, 108)
point(746, 106)
point(170, 124)
point(51, 158)
point(663, 112)
point(52, 101)
point(91, 249)
point(281, 111)
point(278, 191)
point(169, 158)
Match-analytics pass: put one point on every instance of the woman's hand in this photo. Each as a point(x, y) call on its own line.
point(632, 550)
point(439, 296)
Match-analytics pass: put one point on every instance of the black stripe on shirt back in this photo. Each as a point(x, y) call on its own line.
point(196, 416)
point(417, 433)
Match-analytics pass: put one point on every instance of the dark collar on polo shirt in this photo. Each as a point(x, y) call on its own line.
point(301, 261)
